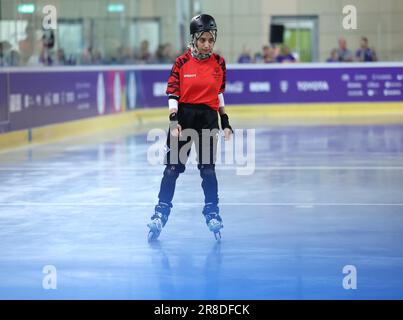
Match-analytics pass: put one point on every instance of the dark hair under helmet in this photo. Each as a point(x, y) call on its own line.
point(202, 23)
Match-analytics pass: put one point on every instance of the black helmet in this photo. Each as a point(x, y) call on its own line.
point(201, 23)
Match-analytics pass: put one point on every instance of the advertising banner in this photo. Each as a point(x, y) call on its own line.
point(30, 99)
point(3, 102)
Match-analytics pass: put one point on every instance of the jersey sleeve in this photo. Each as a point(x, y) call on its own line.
point(173, 86)
point(221, 62)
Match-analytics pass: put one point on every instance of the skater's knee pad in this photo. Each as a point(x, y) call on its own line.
point(174, 170)
point(207, 170)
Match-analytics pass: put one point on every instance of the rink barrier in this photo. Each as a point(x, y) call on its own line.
point(37, 97)
point(49, 103)
point(256, 115)
point(136, 120)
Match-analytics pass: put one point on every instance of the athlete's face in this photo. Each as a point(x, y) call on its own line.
point(205, 44)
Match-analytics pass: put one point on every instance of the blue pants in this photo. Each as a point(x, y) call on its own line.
point(204, 136)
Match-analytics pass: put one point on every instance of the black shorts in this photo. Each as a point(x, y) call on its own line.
point(199, 127)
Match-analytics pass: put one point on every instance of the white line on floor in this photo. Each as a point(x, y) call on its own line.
point(219, 167)
point(146, 204)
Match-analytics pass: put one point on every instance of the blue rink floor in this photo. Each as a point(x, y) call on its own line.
point(320, 198)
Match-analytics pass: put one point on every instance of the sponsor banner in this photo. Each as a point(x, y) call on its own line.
point(282, 85)
point(3, 102)
point(41, 98)
point(314, 85)
point(35, 98)
point(152, 85)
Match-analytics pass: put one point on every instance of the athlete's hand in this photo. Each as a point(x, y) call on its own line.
point(226, 126)
point(174, 126)
point(227, 134)
point(176, 131)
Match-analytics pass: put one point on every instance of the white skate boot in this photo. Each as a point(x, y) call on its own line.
point(213, 219)
point(158, 220)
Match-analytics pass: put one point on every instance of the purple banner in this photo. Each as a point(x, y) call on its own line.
point(291, 85)
point(314, 85)
point(152, 85)
point(41, 98)
point(3, 103)
point(35, 98)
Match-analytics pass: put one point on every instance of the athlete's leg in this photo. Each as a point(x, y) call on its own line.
point(209, 183)
point(175, 165)
point(207, 151)
point(168, 182)
point(206, 155)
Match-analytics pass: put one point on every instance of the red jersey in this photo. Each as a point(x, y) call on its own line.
point(197, 81)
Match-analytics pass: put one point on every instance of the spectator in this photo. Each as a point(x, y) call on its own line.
point(144, 55)
point(5, 46)
point(126, 55)
point(276, 51)
point(96, 57)
point(27, 45)
point(167, 55)
point(258, 58)
point(344, 54)
point(38, 57)
point(268, 55)
point(14, 58)
point(163, 54)
point(333, 56)
point(286, 56)
point(86, 57)
point(365, 54)
point(60, 57)
point(245, 56)
point(92, 56)
point(158, 56)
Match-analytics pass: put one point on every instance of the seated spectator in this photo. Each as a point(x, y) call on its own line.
point(14, 58)
point(92, 56)
point(167, 54)
point(60, 57)
point(163, 54)
point(344, 54)
point(86, 56)
point(96, 57)
point(158, 54)
point(5, 46)
point(258, 58)
point(126, 56)
point(39, 56)
point(276, 51)
point(365, 54)
point(245, 56)
point(286, 56)
point(144, 55)
point(333, 56)
point(268, 54)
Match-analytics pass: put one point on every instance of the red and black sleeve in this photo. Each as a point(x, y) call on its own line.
point(173, 87)
point(221, 62)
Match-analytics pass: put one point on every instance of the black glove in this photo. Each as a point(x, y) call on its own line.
point(225, 122)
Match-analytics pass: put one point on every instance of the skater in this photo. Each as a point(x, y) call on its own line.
point(195, 97)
